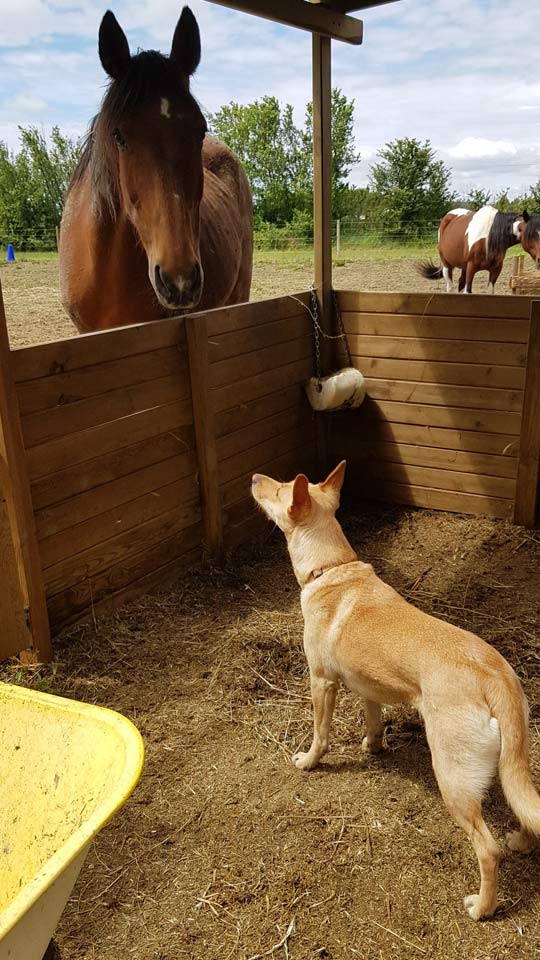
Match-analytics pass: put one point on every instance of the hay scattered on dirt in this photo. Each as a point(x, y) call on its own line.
point(225, 849)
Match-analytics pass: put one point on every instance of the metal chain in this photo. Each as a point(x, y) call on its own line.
point(318, 331)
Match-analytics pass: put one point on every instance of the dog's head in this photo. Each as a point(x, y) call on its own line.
point(298, 502)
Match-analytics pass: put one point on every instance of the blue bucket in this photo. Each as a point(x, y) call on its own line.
point(10, 255)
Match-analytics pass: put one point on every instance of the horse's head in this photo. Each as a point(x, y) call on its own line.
point(150, 131)
point(528, 234)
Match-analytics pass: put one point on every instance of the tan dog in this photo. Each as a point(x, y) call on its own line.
point(358, 630)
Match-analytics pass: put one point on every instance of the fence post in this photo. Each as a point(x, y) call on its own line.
point(338, 237)
point(15, 483)
point(527, 491)
point(205, 433)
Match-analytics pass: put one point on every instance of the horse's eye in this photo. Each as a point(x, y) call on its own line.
point(119, 140)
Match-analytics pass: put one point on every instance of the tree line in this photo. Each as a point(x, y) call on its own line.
point(409, 190)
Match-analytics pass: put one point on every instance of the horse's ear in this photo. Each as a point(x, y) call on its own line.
point(186, 45)
point(526, 216)
point(113, 47)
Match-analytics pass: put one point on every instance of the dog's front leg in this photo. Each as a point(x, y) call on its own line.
point(323, 695)
point(372, 742)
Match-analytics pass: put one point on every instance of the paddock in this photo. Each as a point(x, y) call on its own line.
point(126, 458)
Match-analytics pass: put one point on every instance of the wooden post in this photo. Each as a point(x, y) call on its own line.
point(15, 484)
point(205, 434)
point(527, 488)
point(338, 237)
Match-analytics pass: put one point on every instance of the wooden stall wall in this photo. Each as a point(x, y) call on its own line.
point(260, 357)
point(445, 380)
point(140, 443)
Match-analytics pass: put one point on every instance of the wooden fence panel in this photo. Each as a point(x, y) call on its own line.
point(445, 379)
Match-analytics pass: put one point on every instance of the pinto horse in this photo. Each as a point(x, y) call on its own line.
point(472, 242)
point(529, 235)
point(158, 218)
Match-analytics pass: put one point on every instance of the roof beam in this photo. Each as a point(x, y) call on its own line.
point(348, 6)
point(313, 17)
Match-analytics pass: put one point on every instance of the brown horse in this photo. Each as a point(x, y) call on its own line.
point(472, 242)
point(157, 218)
point(529, 235)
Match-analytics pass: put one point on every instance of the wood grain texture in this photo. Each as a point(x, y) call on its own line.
point(527, 491)
point(435, 305)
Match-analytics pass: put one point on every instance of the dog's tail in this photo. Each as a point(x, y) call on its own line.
point(508, 704)
point(429, 270)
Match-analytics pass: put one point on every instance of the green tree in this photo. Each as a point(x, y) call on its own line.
point(412, 186)
point(32, 187)
point(344, 153)
point(477, 197)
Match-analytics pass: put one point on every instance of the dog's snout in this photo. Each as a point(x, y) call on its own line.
point(256, 478)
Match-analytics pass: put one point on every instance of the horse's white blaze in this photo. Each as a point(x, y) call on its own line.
point(480, 225)
point(165, 111)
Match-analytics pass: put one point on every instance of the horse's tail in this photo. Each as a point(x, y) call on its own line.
point(429, 270)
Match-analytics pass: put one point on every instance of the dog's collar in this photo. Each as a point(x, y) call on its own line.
point(320, 571)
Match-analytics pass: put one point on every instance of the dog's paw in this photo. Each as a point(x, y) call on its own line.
point(304, 761)
point(520, 841)
point(372, 746)
point(473, 908)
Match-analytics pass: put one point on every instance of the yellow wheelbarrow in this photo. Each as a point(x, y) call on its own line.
point(65, 769)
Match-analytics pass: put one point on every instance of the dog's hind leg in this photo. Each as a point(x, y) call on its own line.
point(323, 695)
point(465, 752)
point(372, 742)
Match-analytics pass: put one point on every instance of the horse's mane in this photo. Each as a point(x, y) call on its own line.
point(501, 235)
point(150, 75)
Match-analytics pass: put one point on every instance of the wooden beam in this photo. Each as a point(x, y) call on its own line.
point(299, 13)
point(349, 6)
point(322, 187)
point(16, 490)
point(526, 507)
point(205, 432)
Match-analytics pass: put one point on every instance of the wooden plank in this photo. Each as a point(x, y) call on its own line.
point(89, 349)
point(245, 316)
point(438, 327)
point(474, 398)
point(434, 304)
point(527, 489)
point(426, 371)
point(322, 190)
point(268, 450)
point(47, 425)
point(14, 634)
point(87, 564)
point(297, 13)
point(152, 582)
point(112, 466)
point(349, 6)
point(252, 364)
point(247, 530)
point(77, 448)
point(466, 351)
point(237, 418)
point(280, 466)
point(80, 600)
point(460, 482)
point(459, 418)
point(63, 388)
point(101, 499)
point(239, 342)
point(99, 529)
point(436, 499)
point(348, 431)
point(16, 492)
point(205, 433)
point(358, 451)
point(234, 394)
point(241, 440)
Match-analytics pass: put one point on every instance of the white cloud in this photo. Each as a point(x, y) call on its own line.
point(28, 104)
point(480, 147)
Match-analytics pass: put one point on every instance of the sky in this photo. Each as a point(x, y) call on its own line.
point(460, 73)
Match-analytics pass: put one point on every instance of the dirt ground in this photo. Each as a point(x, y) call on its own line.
point(226, 851)
point(225, 846)
point(35, 314)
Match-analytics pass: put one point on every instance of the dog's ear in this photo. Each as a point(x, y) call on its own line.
point(301, 500)
point(334, 480)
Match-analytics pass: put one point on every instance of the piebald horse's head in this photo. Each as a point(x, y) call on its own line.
point(528, 234)
point(147, 154)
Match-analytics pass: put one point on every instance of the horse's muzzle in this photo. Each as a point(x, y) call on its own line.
point(182, 295)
